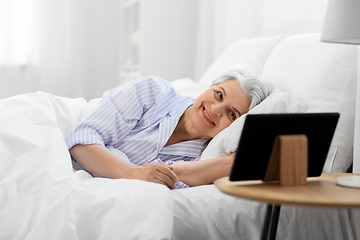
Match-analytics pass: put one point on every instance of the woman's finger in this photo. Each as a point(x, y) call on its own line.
point(155, 172)
point(167, 170)
point(161, 174)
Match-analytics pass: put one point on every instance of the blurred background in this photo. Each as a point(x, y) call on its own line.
point(81, 48)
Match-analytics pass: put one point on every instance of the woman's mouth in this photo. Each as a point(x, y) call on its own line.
point(208, 116)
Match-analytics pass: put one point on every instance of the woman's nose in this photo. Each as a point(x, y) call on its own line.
point(217, 109)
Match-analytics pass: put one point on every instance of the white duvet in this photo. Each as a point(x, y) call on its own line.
point(42, 198)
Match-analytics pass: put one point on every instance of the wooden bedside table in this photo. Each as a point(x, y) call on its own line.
point(318, 192)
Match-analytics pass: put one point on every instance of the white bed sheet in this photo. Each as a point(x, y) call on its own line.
point(42, 198)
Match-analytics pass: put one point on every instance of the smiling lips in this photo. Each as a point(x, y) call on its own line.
point(208, 116)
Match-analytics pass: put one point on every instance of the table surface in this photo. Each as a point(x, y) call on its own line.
point(319, 191)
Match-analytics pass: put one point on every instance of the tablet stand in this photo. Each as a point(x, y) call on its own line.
point(289, 160)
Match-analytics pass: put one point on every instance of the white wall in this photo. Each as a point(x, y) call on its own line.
point(168, 38)
point(99, 44)
point(223, 22)
point(79, 43)
point(292, 17)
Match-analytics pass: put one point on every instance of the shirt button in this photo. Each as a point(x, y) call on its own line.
point(147, 156)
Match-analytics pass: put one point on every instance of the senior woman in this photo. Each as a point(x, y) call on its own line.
point(162, 132)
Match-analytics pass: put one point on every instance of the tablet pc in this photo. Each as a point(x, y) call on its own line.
point(259, 133)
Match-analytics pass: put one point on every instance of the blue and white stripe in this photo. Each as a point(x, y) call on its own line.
point(138, 118)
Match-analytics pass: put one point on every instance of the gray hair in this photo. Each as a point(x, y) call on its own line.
point(254, 87)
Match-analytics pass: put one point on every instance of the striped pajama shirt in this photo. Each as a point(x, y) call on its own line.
point(138, 118)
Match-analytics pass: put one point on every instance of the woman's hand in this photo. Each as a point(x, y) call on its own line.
point(155, 172)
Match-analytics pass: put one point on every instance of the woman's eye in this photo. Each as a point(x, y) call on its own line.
point(220, 95)
point(233, 115)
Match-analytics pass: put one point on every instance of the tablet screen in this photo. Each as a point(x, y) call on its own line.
point(259, 133)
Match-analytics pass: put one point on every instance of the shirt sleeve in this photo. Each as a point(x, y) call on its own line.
point(119, 111)
point(180, 185)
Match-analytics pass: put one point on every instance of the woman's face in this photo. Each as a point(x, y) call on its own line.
point(217, 107)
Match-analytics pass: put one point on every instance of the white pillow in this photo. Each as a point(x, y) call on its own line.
point(252, 52)
point(188, 87)
point(227, 140)
point(323, 76)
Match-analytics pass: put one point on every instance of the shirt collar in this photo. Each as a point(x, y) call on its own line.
point(182, 103)
point(189, 148)
point(167, 126)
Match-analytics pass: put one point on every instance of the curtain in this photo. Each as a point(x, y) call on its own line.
point(221, 22)
point(65, 47)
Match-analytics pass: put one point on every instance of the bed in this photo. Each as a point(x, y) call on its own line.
point(42, 197)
